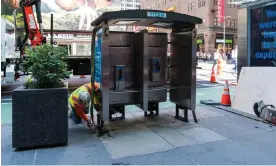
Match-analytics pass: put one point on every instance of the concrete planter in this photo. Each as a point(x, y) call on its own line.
point(39, 117)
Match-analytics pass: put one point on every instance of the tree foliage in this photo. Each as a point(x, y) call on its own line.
point(48, 66)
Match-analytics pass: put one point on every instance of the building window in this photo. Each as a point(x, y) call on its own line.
point(83, 49)
point(230, 5)
point(215, 2)
point(201, 3)
point(164, 2)
point(191, 6)
point(158, 3)
point(229, 22)
point(215, 21)
point(233, 23)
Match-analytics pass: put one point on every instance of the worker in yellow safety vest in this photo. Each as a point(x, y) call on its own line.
point(79, 102)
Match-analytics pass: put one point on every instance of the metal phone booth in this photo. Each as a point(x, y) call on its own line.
point(131, 67)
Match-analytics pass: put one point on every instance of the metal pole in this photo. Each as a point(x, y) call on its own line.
point(52, 27)
point(224, 34)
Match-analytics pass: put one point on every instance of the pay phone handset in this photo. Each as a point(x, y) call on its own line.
point(119, 78)
point(156, 69)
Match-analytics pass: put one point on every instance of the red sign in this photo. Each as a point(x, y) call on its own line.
point(221, 10)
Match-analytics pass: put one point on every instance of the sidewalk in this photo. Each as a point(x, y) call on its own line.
point(218, 138)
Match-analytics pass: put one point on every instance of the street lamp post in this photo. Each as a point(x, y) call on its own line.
point(224, 20)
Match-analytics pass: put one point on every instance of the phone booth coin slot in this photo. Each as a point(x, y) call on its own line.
point(119, 78)
point(156, 69)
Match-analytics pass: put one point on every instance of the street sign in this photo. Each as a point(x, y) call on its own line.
point(221, 10)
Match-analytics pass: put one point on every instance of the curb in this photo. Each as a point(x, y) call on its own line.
point(240, 113)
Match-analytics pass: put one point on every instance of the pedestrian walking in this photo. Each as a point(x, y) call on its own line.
point(218, 54)
point(235, 58)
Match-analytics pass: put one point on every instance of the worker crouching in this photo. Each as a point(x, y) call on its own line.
point(79, 102)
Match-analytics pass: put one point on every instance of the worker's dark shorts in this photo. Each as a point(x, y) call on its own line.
point(73, 115)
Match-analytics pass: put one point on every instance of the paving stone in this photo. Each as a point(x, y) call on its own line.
point(170, 134)
point(201, 135)
point(83, 148)
point(204, 112)
point(137, 140)
point(74, 155)
point(170, 157)
point(231, 127)
point(228, 151)
point(263, 143)
point(9, 156)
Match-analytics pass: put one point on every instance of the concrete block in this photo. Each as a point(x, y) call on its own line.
point(137, 140)
point(39, 117)
point(255, 84)
point(201, 135)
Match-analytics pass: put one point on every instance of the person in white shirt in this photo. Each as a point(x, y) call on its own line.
point(217, 55)
point(235, 58)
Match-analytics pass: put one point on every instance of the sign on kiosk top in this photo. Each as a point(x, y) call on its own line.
point(149, 18)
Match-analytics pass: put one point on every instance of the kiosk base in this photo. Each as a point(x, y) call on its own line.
point(153, 109)
point(185, 118)
point(114, 110)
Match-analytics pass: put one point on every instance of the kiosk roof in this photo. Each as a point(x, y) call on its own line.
point(149, 18)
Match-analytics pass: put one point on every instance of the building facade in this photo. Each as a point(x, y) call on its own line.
point(130, 4)
point(210, 32)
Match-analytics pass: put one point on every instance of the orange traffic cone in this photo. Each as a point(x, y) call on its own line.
point(219, 66)
point(82, 76)
point(213, 77)
point(226, 99)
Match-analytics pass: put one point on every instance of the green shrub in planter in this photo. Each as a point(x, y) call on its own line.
point(40, 107)
point(48, 66)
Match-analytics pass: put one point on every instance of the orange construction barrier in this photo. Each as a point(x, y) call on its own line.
point(226, 99)
point(82, 76)
point(213, 77)
point(219, 66)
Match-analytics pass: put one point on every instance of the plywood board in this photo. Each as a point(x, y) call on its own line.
point(255, 84)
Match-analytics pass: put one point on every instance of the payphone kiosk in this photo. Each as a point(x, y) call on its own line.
point(131, 67)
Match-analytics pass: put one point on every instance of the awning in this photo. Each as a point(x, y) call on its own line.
point(148, 18)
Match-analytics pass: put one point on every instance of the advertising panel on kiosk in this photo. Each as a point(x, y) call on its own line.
point(263, 35)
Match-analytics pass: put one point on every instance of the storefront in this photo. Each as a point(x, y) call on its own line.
point(200, 44)
point(78, 43)
point(228, 41)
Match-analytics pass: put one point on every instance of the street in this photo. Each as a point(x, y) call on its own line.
point(219, 137)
